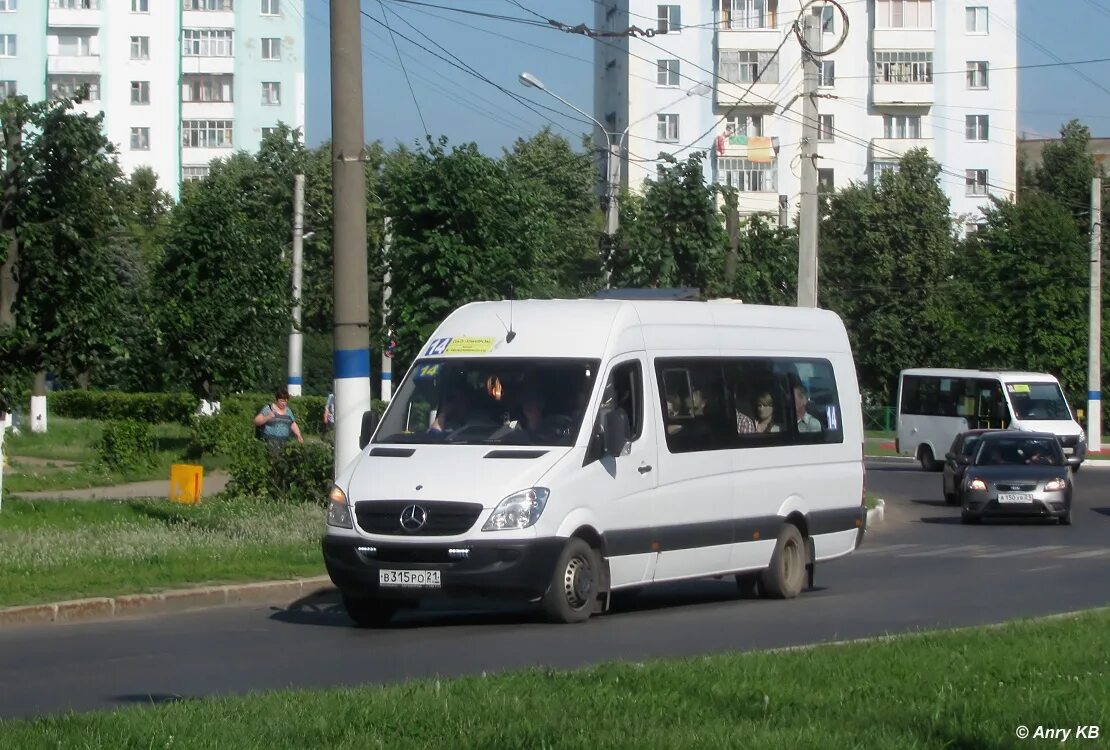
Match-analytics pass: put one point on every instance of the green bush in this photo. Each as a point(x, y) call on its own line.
point(152, 408)
point(294, 473)
point(217, 435)
point(125, 445)
point(309, 410)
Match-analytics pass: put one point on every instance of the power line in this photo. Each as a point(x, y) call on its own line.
point(1059, 63)
point(385, 16)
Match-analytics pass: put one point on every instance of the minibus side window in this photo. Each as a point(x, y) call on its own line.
point(625, 390)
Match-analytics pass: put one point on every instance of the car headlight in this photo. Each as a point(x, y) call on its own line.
point(519, 510)
point(339, 512)
point(1056, 485)
point(977, 484)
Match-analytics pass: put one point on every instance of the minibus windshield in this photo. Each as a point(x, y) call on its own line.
point(487, 401)
point(1033, 401)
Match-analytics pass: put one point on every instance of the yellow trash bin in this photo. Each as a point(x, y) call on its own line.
point(186, 481)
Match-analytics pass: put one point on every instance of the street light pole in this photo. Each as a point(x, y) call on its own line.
point(296, 339)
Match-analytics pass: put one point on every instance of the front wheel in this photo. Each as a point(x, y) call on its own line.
point(786, 575)
point(574, 584)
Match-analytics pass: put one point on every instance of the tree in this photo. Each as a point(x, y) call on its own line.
point(674, 236)
point(1066, 172)
point(767, 264)
point(885, 251)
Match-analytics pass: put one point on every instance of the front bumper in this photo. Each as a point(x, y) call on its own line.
point(504, 569)
point(1044, 505)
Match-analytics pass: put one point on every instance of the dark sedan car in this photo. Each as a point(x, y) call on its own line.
point(956, 461)
point(1017, 474)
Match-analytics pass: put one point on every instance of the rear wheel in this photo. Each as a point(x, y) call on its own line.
point(786, 575)
point(928, 462)
point(369, 613)
point(572, 594)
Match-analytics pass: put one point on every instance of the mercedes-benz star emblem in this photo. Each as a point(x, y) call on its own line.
point(413, 518)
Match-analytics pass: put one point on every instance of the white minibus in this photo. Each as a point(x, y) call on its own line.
point(935, 405)
point(559, 451)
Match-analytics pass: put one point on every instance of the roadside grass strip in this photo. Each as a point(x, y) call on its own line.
point(970, 688)
point(58, 550)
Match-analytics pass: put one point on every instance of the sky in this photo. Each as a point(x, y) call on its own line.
point(465, 109)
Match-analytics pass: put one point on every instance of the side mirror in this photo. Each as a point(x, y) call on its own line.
point(950, 456)
point(369, 424)
point(616, 430)
point(1074, 461)
point(963, 460)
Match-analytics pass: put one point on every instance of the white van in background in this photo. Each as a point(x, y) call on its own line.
point(935, 405)
point(557, 451)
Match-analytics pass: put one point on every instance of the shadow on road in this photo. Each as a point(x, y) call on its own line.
point(934, 503)
point(1103, 511)
point(942, 520)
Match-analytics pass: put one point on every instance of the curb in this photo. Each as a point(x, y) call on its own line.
point(875, 515)
point(177, 600)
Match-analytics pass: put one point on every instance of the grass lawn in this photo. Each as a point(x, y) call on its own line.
point(67, 448)
point(962, 690)
point(56, 550)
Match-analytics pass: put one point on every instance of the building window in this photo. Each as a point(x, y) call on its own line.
point(974, 227)
point(140, 6)
point(206, 88)
point(977, 127)
point(977, 74)
point(826, 182)
point(140, 92)
point(271, 48)
point(7, 88)
point(744, 125)
point(670, 19)
point(667, 128)
point(826, 16)
point(881, 167)
point(140, 139)
point(748, 14)
point(976, 180)
point(7, 45)
point(267, 132)
point(140, 48)
point(827, 74)
point(976, 20)
point(69, 87)
point(207, 42)
point(209, 5)
point(825, 127)
point(74, 45)
point(8, 6)
point(901, 126)
point(70, 4)
point(904, 14)
point(271, 7)
point(747, 176)
point(667, 72)
point(748, 66)
point(206, 134)
point(903, 66)
point(271, 92)
point(190, 173)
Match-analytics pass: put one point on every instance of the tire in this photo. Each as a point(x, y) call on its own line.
point(928, 462)
point(747, 585)
point(369, 613)
point(1065, 520)
point(786, 575)
point(969, 519)
point(572, 593)
point(1075, 469)
point(951, 499)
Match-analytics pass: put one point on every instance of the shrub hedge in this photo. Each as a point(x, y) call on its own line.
point(126, 445)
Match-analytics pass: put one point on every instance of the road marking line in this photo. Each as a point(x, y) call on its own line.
point(947, 550)
point(1086, 554)
point(883, 548)
point(1025, 551)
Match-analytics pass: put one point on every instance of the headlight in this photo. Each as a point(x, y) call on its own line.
point(1056, 485)
point(519, 510)
point(339, 513)
point(977, 484)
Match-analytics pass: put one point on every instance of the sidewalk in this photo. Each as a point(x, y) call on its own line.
point(213, 483)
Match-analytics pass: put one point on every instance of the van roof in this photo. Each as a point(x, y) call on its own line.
point(1003, 375)
point(588, 327)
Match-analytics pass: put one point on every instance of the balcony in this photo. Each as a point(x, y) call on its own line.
point(210, 65)
point(207, 110)
point(73, 64)
point(902, 94)
point(895, 148)
point(209, 19)
point(733, 94)
point(82, 18)
point(764, 40)
point(915, 39)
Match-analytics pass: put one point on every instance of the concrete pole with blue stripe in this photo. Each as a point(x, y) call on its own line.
point(296, 338)
point(352, 309)
point(1094, 352)
point(387, 355)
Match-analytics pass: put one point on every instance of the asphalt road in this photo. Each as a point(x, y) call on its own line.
point(920, 569)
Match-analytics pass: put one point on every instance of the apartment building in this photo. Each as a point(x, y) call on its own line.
point(910, 73)
point(180, 82)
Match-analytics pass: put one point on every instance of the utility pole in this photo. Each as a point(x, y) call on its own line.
point(612, 208)
point(1094, 346)
point(296, 338)
point(387, 359)
point(352, 310)
point(807, 222)
point(732, 226)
